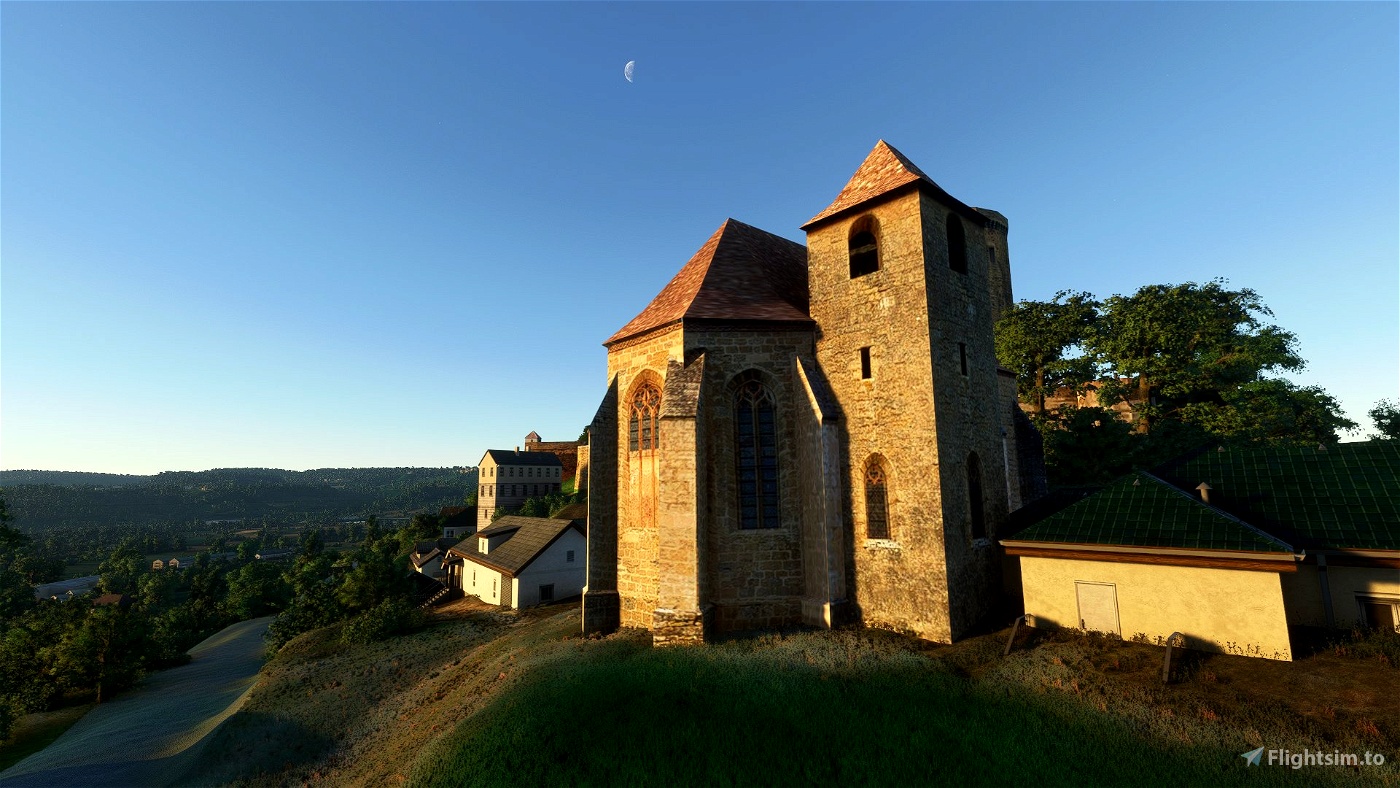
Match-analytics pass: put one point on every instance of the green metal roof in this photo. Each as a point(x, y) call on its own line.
point(1140, 510)
point(1346, 496)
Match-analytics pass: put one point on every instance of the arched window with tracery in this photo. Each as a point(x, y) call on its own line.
point(863, 248)
point(642, 415)
point(976, 508)
point(756, 453)
point(877, 504)
point(957, 244)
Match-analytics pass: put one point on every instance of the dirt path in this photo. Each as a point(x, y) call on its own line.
point(152, 735)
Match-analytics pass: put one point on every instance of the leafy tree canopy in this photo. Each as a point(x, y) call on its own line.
point(1037, 340)
point(1193, 360)
point(1386, 418)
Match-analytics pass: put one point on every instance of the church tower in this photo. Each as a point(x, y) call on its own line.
point(905, 284)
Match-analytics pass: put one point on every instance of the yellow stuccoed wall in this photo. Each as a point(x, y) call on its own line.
point(1226, 610)
point(1303, 590)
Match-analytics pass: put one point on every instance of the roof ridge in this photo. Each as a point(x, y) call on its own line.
point(883, 171)
point(1218, 511)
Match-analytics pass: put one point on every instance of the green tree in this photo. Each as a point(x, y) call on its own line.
point(1086, 445)
point(1189, 344)
point(1386, 418)
point(312, 543)
point(16, 594)
point(257, 589)
point(1038, 341)
point(105, 653)
point(1271, 411)
point(121, 569)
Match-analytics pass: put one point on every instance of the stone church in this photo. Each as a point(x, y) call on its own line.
point(813, 435)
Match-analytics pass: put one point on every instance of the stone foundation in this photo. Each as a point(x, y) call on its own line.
point(678, 627)
point(601, 614)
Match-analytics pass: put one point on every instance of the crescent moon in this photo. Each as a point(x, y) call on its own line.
point(627, 69)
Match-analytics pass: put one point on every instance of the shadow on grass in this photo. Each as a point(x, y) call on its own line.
point(272, 749)
point(287, 747)
point(801, 712)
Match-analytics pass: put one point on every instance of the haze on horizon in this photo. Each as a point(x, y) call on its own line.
point(347, 235)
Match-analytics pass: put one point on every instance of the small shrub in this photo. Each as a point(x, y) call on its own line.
point(1374, 645)
point(385, 620)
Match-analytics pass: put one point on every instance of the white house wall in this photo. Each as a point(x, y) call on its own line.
point(484, 582)
point(553, 566)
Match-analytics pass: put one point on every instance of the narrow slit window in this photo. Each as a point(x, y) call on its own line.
point(962, 357)
point(865, 363)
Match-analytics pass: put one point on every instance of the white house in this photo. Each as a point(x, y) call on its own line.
point(520, 561)
point(428, 557)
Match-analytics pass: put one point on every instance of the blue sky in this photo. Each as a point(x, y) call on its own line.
point(310, 235)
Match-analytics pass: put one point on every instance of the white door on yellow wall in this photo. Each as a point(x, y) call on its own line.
point(1098, 606)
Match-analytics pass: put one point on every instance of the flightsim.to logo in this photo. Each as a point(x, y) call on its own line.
point(1297, 760)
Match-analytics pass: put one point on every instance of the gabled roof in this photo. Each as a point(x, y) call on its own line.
point(508, 457)
point(418, 558)
point(1140, 510)
point(533, 436)
point(1345, 496)
point(532, 535)
point(886, 170)
point(741, 273)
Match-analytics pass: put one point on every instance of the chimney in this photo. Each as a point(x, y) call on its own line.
point(1205, 492)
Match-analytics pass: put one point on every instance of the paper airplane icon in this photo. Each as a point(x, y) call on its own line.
point(1252, 757)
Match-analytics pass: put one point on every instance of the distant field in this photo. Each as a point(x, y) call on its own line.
point(487, 699)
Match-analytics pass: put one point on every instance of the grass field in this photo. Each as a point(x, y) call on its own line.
point(485, 698)
point(34, 732)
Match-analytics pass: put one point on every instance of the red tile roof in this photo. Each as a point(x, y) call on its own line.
point(741, 273)
point(882, 172)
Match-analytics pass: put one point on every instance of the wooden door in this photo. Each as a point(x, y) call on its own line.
point(1098, 607)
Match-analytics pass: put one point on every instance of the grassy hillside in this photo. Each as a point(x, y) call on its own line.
point(487, 699)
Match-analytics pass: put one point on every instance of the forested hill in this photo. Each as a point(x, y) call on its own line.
point(43, 499)
point(70, 478)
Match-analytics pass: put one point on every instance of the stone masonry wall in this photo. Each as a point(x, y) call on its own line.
point(968, 410)
point(898, 583)
point(754, 577)
point(600, 599)
point(632, 362)
point(581, 473)
point(566, 451)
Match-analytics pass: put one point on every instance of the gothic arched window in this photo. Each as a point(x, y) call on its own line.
point(863, 249)
point(974, 497)
point(646, 404)
point(877, 508)
point(756, 454)
point(957, 245)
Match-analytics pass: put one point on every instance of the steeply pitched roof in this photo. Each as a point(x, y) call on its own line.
point(1347, 496)
point(508, 457)
point(741, 273)
point(532, 536)
point(1140, 510)
point(882, 172)
point(533, 436)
